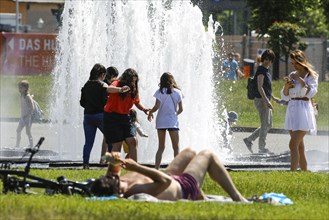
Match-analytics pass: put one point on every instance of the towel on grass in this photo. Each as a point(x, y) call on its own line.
point(143, 197)
point(209, 198)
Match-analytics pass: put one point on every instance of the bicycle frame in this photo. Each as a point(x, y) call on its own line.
point(18, 181)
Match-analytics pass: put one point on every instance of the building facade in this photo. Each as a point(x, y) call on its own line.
point(36, 16)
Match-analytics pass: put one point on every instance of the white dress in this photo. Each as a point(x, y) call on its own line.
point(167, 113)
point(300, 114)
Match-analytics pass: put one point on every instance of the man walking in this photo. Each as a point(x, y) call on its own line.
point(262, 103)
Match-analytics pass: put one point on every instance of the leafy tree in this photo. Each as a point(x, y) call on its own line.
point(285, 37)
point(264, 13)
point(315, 19)
point(308, 14)
point(325, 6)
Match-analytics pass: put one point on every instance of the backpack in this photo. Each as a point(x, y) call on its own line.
point(252, 89)
point(37, 114)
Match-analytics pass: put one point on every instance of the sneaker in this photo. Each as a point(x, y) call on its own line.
point(248, 144)
point(86, 166)
point(265, 151)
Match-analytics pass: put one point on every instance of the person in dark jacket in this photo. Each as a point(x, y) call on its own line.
point(93, 100)
point(262, 103)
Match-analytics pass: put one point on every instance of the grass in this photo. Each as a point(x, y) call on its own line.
point(232, 95)
point(309, 192)
point(40, 87)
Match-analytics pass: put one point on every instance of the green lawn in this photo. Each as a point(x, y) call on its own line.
point(234, 96)
point(309, 192)
point(40, 87)
point(231, 94)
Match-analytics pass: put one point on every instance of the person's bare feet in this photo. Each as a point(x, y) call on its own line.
point(103, 162)
point(112, 158)
point(239, 198)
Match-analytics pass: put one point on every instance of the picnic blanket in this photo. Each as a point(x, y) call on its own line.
point(272, 198)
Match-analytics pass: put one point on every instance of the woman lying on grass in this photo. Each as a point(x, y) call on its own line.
point(182, 179)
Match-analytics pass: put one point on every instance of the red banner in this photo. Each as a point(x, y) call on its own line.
point(27, 54)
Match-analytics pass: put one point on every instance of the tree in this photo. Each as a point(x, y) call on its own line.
point(266, 12)
point(315, 19)
point(285, 37)
point(325, 6)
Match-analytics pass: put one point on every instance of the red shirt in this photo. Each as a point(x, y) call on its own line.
point(115, 103)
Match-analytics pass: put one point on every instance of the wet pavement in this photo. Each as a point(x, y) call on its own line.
point(317, 148)
point(277, 141)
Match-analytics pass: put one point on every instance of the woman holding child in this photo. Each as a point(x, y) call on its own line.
point(123, 95)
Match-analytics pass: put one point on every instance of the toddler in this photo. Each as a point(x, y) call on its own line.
point(26, 113)
point(136, 129)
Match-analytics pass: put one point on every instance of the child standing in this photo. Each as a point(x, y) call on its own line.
point(136, 127)
point(26, 113)
point(169, 103)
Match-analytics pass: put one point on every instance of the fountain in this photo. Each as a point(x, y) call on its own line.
point(152, 37)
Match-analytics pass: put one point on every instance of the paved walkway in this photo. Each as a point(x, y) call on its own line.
point(279, 142)
point(276, 142)
point(317, 148)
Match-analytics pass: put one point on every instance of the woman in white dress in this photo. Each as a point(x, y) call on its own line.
point(169, 103)
point(300, 87)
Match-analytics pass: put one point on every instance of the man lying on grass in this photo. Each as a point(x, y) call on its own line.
point(182, 179)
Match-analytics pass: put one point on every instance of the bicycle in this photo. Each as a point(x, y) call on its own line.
point(19, 182)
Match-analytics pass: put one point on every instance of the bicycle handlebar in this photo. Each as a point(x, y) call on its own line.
point(31, 150)
point(12, 181)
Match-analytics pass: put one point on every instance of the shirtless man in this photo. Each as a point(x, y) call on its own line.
point(182, 179)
